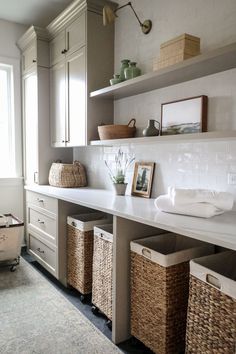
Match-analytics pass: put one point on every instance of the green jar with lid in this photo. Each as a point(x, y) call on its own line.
point(124, 65)
point(132, 71)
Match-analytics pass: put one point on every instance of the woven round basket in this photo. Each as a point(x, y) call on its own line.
point(115, 131)
point(67, 175)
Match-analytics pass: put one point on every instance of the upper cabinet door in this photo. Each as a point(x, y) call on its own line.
point(57, 48)
point(58, 104)
point(75, 34)
point(76, 113)
point(29, 57)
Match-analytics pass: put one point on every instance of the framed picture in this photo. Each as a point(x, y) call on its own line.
point(184, 116)
point(142, 179)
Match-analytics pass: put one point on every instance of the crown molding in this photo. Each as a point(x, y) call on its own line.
point(31, 34)
point(73, 11)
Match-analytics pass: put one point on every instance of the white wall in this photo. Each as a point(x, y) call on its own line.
point(196, 165)
point(11, 190)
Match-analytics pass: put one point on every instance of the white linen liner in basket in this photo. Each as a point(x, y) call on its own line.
point(171, 248)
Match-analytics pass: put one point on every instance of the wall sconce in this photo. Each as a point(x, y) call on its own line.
point(109, 16)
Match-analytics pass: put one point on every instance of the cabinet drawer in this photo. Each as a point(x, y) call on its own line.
point(42, 201)
point(75, 35)
point(45, 224)
point(29, 57)
point(44, 255)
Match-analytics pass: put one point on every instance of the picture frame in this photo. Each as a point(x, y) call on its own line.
point(142, 179)
point(186, 116)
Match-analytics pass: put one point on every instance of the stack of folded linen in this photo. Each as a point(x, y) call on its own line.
point(195, 202)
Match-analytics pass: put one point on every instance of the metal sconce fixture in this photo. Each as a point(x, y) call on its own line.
point(109, 16)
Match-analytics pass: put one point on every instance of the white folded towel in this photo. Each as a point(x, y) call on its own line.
point(203, 210)
point(221, 200)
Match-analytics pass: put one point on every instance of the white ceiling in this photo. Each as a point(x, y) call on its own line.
point(28, 12)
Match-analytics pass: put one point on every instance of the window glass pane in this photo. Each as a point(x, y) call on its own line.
point(7, 161)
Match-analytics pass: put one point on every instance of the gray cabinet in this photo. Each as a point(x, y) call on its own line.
point(38, 153)
point(67, 82)
point(81, 59)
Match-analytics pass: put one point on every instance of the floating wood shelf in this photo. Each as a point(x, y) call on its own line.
point(202, 65)
point(197, 137)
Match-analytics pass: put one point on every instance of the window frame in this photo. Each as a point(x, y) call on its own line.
point(16, 124)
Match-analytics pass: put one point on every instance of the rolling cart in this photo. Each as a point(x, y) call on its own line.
point(11, 236)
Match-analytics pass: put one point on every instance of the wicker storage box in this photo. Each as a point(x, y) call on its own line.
point(211, 324)
point(102, 269)
point(176, 50)
point(80, 249)
point(159, 289)
point(67, 175)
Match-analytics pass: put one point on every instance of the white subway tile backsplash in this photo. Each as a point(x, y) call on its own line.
point(195, 165)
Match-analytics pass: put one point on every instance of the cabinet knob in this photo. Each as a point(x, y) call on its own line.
point(39, 250)
point(40, 200)
point(63, 51)
point(65, 141)
point(34, 61)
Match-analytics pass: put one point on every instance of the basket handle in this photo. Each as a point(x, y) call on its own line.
point(133, 120)
point(210, 279)
point(146, 253)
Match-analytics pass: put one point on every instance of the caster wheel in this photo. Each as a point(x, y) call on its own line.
point(83, 298)
point(134, 342)
point(109, 324)
point(13, 268)
point(95, 310)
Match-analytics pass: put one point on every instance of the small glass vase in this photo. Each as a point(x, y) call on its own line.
point(132, 71)
point(124, 65)
point(120, 188)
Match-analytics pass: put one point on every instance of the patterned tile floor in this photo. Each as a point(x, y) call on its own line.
point(100, 322)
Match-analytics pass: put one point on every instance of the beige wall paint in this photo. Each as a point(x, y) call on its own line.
point(191, 165)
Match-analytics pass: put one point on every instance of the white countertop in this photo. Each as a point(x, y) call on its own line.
point(219, 230)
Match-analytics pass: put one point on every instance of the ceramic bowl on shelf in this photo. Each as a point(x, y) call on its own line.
point(116, 79)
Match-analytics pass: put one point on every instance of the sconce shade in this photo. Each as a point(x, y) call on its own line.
point(108, 15)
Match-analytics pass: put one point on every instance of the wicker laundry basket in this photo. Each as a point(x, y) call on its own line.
point(102, 269)
point(159, 289)
point(80, 249)
point(211, 323)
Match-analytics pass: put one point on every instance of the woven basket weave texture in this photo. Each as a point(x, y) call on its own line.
point(159, 298)
point(79, 259)
point(67, 175)
point(102, 275)
point(211, 324)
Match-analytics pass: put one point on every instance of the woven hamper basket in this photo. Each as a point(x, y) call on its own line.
point(211, 323)
point(80, 249)
point(102, 269)
point(159, 289)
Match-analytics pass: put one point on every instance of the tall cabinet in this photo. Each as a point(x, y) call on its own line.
point(81, 59)
point(38, 152)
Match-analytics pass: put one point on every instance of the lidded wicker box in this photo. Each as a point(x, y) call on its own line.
point(102, 269)
point(211, 324)
point(159, 289)
point(80, 249)
point(176, 50)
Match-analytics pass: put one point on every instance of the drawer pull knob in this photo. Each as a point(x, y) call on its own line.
point(39, 250)
point(40, 221)
point(40, 200)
